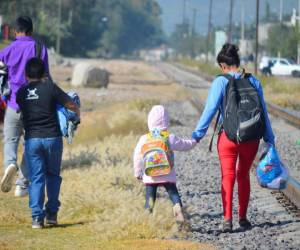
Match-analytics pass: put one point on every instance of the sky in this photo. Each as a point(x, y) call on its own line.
point(173, 11)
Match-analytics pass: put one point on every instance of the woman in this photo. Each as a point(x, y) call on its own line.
point(230, 151)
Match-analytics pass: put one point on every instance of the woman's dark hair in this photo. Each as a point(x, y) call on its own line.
point(229, 55)
point(35, 68)
point(24, 24)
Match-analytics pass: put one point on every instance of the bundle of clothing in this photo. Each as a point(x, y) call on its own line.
point(68, 120)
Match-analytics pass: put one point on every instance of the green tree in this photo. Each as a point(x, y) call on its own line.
point(284, 40)
point(187, 43)
point(92, 27)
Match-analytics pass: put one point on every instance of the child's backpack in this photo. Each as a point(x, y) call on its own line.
point(270, 171)
point(68, 120)
point(157, 155)
point(4, 90)
point(243, 112)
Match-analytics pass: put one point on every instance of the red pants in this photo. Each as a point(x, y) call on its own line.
point(229, 153)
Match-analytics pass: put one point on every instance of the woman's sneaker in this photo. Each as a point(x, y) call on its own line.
point(51, 219)
point(227, 226)
point(7, 180)
point(37, 223)
point(21, 191)
point(177, 210)
point(245, 224)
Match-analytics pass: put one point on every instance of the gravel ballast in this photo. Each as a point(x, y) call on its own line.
point(199, 183)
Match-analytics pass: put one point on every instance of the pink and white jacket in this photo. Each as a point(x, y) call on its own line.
point(158, 118)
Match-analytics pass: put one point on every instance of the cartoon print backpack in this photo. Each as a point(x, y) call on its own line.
point(157, 156)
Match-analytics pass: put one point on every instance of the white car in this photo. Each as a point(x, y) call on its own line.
point(284, 67)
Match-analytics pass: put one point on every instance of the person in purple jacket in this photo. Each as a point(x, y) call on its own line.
point(15, 56)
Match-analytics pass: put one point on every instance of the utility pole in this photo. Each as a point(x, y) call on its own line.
point(256, 38)
point(194, 22)
point(230, 22)
point(194, 32)
point(59, 28)
point(243, 20)
point(209, 29)
point(280, 11)
point(184, 12)
point(298, 16)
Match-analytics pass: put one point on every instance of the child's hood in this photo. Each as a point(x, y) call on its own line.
point(158, 118)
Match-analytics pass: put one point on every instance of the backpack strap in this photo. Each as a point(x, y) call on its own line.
point(227, 76)
point(215, 128)
point(38, 49)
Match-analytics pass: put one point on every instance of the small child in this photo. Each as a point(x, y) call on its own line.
point(154, 159)
point(43, 140)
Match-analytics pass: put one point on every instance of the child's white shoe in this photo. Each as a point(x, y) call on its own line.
point(177, 210)
point(7, 180)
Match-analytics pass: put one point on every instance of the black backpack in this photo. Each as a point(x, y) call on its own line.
point(243, 112)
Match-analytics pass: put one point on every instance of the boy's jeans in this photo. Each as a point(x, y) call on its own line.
point(13, 130)
point(43, 157)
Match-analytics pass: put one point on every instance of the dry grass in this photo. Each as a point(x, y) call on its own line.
point(112, 199)
point(159, 245)
point(102, 203)
point(204, 67)
point(3, 44)
point(284, 92)
point(119, 119)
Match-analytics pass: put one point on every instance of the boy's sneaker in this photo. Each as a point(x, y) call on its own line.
point(9, 174)
point(227, 226)
point(245, 224)
point(37, 223)
point(177, 210)
point(51, 219)
point(21, 191)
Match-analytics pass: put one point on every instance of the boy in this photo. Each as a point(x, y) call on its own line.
point(43, 140)
point(15, 57)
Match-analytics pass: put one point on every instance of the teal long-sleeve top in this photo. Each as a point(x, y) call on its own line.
point(214, 103)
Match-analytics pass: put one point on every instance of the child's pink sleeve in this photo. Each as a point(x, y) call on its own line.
point(179, 144)
point(138, 158)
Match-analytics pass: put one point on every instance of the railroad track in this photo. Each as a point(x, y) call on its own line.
point(289, 197)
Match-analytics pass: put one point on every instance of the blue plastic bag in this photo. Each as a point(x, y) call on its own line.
point(270, 171)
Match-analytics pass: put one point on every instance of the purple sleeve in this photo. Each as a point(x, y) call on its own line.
point(179, 144)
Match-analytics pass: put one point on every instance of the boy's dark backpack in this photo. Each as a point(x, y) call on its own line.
point(243, 112)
